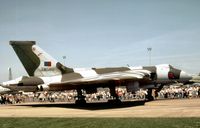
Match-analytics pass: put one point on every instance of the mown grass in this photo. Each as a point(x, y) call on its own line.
point(99, 122)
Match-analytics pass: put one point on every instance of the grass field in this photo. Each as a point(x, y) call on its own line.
point(99, 122)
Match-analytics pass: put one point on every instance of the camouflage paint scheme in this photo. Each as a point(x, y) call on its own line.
point(45, 73)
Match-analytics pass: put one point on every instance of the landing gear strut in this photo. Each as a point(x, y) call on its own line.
point(149, 95)
point(81, 97)
point(115, 96)
point(158, 90)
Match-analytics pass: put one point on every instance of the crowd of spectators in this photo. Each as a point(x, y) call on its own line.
point(171, 92)
point(180, 92)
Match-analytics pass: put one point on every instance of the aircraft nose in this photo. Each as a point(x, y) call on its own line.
point(185, 76)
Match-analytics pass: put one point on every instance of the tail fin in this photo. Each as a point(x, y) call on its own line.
point(36, 61)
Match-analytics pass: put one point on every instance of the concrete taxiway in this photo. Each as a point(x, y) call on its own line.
point(158, 108)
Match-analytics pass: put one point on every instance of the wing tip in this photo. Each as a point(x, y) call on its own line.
point(12, 42)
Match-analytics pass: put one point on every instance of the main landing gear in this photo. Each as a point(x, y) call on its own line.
point(81, 97)
point(116, 99)
point(149, 95)
point(153, 93)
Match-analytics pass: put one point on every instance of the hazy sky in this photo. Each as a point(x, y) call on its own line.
point(101, 33)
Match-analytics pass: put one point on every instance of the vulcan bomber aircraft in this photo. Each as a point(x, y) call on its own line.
point(46, 73)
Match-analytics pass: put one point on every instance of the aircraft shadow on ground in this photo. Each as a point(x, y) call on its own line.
point(90, 106)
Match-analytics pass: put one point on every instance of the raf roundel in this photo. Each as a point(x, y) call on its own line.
point(171, 75)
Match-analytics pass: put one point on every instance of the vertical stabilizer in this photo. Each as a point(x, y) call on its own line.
point(36, 61)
